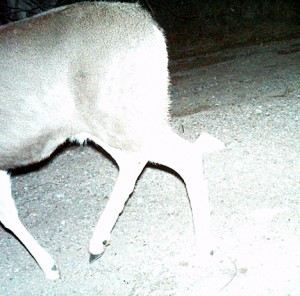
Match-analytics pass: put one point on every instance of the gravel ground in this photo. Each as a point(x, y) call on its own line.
point(250, 99)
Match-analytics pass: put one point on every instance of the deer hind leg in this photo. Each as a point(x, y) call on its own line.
point(130, 167)
point(10, 219)
point(186, 159)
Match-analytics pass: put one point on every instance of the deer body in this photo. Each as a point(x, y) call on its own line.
point(96, 71)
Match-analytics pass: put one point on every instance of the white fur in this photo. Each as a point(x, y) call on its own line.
point(9, 218)
point(65, 77)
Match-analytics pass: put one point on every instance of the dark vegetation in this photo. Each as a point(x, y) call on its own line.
point(208, 26)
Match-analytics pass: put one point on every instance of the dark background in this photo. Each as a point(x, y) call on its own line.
point(217, 24)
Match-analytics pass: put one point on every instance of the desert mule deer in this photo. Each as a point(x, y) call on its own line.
point(96, 71)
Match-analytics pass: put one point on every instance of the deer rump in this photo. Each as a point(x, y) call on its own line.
point(96, 71)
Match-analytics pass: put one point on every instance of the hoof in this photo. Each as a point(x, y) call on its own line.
point(53, 274)
point(94, 257)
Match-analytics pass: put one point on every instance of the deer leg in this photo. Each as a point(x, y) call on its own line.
point(10, 219)
point(199, 201)
point(186, 159)
point(130, 168)
point(191, 172)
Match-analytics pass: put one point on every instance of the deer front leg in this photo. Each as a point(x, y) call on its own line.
point(10, 219)
point(129, 170)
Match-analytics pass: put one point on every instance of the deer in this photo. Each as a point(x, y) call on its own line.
point(93, 71)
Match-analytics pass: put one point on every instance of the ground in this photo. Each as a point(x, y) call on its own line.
point(249, 98)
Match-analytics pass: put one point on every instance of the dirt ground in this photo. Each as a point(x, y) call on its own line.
point(249, 98)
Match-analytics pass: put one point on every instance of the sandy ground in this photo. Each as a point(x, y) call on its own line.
point(250, 99)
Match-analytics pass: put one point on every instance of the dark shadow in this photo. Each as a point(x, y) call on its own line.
point(68, 145)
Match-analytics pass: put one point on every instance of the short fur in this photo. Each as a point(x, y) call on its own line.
point(95, 71)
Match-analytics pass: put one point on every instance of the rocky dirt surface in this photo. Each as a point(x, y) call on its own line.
point(249, 98)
